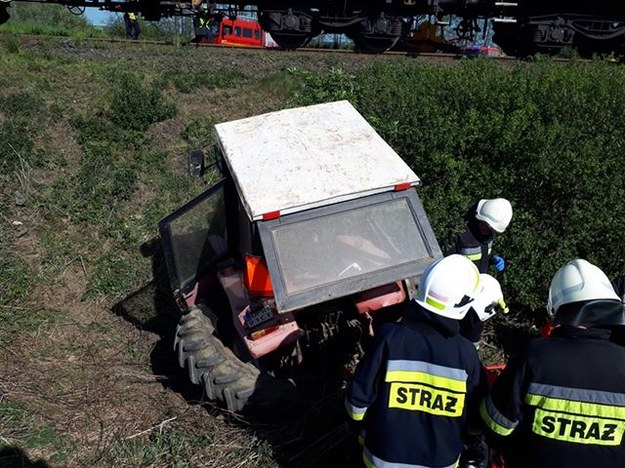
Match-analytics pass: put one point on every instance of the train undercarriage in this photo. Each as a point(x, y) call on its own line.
point(375, 32)
point(521, 27)
point(550, 33)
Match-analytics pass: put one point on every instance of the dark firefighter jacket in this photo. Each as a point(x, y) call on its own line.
point(562, 404)
point(412, 391)
point(477, 248)
point(618, 332)
point(474, 246)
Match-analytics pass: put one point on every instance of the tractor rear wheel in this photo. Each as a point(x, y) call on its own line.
point(238, 385)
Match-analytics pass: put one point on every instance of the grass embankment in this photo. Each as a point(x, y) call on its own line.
point(93, 143)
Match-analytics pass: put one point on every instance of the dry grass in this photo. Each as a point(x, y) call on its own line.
point(81, 383)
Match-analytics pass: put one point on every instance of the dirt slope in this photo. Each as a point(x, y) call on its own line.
point(87, 372)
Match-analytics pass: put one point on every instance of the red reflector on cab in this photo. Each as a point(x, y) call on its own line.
point(404, 186)
point(271, 215)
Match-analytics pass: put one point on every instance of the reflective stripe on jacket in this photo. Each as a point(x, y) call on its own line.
point(564, 402)
point(413, 391)
point(479, 252)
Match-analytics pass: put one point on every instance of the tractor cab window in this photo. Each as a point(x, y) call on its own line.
point(334, 251)
point(194, 237)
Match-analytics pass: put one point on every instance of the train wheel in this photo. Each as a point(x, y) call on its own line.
point(289, 28)
point(378, 34)
point(290, 40)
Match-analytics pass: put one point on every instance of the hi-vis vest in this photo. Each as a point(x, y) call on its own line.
point(572, 411)
point(412, 391)
point(478, 252)
point(426, 387)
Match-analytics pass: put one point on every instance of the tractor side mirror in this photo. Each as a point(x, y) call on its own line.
point(196, 163)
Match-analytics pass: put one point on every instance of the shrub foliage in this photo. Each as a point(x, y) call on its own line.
point(135, 106)
point(546, 136)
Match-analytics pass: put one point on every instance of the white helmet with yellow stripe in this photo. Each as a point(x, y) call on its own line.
point(449, 286)
point(490, 299)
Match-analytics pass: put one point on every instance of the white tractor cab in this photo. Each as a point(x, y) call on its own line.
point(314, 229)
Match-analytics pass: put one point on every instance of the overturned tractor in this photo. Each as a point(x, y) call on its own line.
point(283, 268)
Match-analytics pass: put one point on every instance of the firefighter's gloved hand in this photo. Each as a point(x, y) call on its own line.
point(475, 454)
point(498, 262)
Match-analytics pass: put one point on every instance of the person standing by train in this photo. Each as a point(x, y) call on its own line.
point(484, 219)
point(132, 25)
point(417, 388)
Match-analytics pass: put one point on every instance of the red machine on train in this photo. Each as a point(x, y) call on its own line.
point(219, 29)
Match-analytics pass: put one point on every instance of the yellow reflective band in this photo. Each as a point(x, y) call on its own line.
point(357, 416)
point(474, 257)
point(422, 377)
point(434, 303)
point(355, 412)
point(578, 429)
point(477, 279)
point(491, 423)
point(415, 397)
point(576, 407)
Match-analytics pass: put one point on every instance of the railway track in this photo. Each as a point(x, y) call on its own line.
point(425, 56)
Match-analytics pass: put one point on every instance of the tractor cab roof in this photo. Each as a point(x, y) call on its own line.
point(297, 159)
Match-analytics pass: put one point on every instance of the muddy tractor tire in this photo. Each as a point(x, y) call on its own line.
point(225, 378)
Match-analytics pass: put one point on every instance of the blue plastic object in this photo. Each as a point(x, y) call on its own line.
point(498, 262)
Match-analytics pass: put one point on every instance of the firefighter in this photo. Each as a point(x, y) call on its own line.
point(562, 401)
point(419, 383)
point(484, 219)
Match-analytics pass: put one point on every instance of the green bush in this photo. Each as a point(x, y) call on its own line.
point(198, 133)
point(135, 106)
point(546, 136)
point(334, 86)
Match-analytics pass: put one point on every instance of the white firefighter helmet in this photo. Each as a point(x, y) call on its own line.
point(577, 281)
point(496, 212)
point(490, 299)
point(449, 286)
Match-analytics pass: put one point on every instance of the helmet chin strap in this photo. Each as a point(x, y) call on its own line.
point(595, 313)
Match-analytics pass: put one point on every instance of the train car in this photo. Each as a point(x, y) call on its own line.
point(521, 27)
